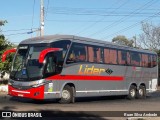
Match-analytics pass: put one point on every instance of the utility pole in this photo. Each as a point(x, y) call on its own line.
point(42, 18)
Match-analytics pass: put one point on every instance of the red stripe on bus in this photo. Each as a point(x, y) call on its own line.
point(80, 77)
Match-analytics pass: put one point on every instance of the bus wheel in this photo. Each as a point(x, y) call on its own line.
point(67, 95)
point(132, 92)
point(141, 92)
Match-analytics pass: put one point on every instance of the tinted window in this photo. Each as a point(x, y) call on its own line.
point(154, 60)
point(149, 61)
point(128, 58)
point(95, 54)
point(77, 53)
point(50, 67)
point(106, 55)
point(110, 56)
point(113, 56)
point(144, 61)
point(135, 59)
point(64, 44)
point(122, 57)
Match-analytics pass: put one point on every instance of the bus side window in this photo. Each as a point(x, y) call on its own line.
point(149, 61)
point(95, 54)
point(113, 56)
point(98, 55)
point(154, 60)
point(145, 61)
point(122, 57)
point(77, 54)
point(128, 58)
point(50, 67)
point(135, 59)
point(90, 54)
point(106, 55)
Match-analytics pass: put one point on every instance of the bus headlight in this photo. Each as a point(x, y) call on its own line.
point(40, 83)
point(37, 85)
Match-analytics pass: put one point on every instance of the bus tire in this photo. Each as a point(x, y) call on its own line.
point(67, 95)
point(141, 92)
point(132, 92)
point(74, 94)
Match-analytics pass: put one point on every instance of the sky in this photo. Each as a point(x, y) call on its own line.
point(99, 19)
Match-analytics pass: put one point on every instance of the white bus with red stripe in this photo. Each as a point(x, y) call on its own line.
point(66, 67)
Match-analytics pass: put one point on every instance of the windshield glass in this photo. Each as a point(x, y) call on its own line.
point(26, 64)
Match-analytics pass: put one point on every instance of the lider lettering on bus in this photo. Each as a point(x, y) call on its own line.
point(90, 70)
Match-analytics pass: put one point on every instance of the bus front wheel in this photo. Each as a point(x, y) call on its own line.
point(132, 92)
point(67, 95)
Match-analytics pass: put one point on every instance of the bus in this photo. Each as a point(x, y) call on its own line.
point(65, 67)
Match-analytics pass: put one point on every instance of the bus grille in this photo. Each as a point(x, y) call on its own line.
point(21, 87)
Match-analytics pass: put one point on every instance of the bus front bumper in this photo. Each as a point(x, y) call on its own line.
point(33, 93)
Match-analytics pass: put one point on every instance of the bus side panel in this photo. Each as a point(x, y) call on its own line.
point(51, 89)
point(139, 75)
point(93, 83)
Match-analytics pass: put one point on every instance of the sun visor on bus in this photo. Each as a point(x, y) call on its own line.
point(45, 52)
point(4, 55)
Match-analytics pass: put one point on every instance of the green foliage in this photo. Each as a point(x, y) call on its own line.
point(4, 45)
point(122, 40)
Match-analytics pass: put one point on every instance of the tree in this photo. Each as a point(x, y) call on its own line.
point(4, 45)
point(122, 40)
point(150, 38)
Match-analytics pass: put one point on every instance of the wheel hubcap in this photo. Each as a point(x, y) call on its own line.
point(65, 94)
point(133, 92)
point(140, 92)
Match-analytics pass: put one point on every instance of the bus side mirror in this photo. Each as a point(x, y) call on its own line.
point(44, 52)
point(4, 55)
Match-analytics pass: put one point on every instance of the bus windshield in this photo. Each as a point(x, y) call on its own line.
point(26, 64)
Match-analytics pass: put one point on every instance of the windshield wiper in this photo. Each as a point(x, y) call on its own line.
point(17, 70)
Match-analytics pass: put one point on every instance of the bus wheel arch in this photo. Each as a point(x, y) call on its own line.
point(67, 93)
point(132, 92)
point(141, 91)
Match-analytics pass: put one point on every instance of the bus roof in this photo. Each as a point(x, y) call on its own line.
point(51, 38)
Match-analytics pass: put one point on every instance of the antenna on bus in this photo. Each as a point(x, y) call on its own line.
point(42, 18)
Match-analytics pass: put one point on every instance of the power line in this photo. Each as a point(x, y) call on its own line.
point(93, 12)
point(29, 32)
point(148, 4)
point(65, 10)
point(102, 18)
point(17, 30)
point(58, 20)
point(103, 14)
point(132, 26)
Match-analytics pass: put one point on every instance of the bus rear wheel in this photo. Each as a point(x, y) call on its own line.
point(67, 95)
point(141, 92)
point(132, 92)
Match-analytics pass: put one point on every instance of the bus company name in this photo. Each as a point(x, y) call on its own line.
point(90, 70)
